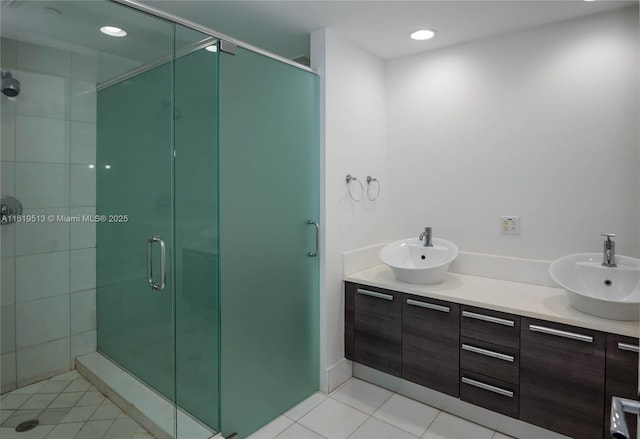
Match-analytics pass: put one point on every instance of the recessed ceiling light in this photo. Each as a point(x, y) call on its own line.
point(212, 48)
point(423, 34)
point(113, 31)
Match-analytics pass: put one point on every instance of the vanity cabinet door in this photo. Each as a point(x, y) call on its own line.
point(377, 329)
point(622, 376)
point(562, 375)
point(430, 340)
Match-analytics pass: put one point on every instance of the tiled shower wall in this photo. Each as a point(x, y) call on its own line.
point(48, 268)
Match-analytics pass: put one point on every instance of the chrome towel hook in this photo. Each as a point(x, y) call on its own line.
point(370, 181)
point(349, 179)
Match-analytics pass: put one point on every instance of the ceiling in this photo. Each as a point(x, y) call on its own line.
point(75, 24)
point(282, 27)
point(382, 27)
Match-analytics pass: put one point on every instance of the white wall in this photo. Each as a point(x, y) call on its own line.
point(353, 119)
point(541, 123)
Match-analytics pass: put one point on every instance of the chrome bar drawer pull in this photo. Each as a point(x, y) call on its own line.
point(489, 387)
point(375, 294)
point(428, 305)
point(628, 347)
point(485, 318)
point(492, 354)
point(559, 333)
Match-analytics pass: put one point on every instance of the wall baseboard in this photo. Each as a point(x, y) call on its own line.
point(336, 375)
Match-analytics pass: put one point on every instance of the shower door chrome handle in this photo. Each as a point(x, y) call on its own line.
point(317, 252)
point(163, 264)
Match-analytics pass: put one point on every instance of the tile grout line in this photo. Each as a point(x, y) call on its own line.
point(15, 324)
point(104, 400)
point(42, 410)
point(400, 428)
point(304, 426)
point(67, 123)
point(350, 406)
point(369, 416)
point(439, 412)
point(361, 424)
point(432, 421)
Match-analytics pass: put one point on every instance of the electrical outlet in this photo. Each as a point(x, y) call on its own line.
point(510, 225)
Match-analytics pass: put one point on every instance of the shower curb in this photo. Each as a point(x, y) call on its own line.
point(151, 410)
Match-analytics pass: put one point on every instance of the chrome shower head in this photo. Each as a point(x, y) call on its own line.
point(10, 85)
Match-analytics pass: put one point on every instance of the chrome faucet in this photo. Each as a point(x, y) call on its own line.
point(426, 236)
point(609, 250)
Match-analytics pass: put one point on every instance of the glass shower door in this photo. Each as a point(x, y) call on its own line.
point(134, 238)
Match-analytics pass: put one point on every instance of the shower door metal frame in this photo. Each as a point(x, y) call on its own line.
point(212, 32)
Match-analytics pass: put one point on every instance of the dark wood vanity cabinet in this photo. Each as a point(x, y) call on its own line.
point(373, 337)
point(562, 378)
point(555, 376)
point(622, 377)
point(430, 337)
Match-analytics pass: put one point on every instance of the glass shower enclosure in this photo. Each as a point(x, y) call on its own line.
point(206, 202)
point(212, 161)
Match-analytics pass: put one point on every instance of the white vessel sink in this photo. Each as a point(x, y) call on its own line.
point(412, 262)
point(609, 292)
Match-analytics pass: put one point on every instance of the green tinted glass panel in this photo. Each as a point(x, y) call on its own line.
point(134, 159)
point(268, 283)
point(196, 231)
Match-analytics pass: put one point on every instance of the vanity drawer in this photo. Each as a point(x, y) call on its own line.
point(490, 393)
point(489, 359)
point(493, 326)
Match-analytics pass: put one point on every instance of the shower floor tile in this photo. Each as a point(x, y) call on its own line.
point(67, 407)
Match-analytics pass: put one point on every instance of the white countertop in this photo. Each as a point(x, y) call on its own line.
point(528, 300)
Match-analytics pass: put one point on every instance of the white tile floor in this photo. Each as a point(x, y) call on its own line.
point(68, 407)
point(359, 410)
